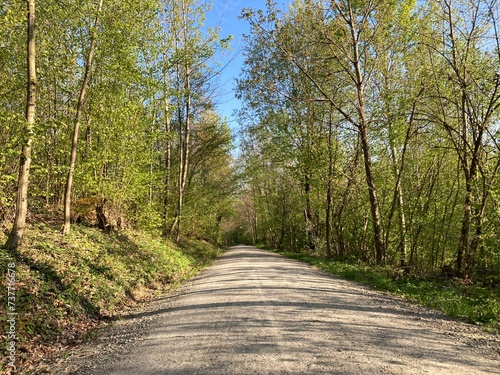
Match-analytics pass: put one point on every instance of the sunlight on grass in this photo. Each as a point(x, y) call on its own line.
point(66, 284)
point(471, 302)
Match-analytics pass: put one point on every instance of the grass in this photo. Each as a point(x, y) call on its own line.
point(67, 285)
point(471, 302)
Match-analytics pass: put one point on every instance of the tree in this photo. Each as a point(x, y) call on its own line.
point(78, 118)
point(17, 232)
point(103, 69)
point(189, 70)
point(352, 32)
point(210, 183)
point(467, 103)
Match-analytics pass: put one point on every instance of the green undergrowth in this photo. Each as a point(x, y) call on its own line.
point(471, 302)
point(67, 285)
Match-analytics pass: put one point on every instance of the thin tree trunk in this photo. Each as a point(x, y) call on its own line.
point(464, 232)
point(16, 235)
point(470, 258)
point(283, 218)
point(342, 250)
point(398, 197)
point(328, 228)
point(168, 43)
point(467, 246)
point(79, 111)
point(181, 159)
point(398, 193)
point(372, 191)
point(365, 144)
point(184, 126)
point(308, 214)
point(187, 129)
point(151, 157)
point(255, 224)
point(168, 166)
point(185, 164)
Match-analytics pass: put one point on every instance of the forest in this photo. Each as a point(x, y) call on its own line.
point(368, 135)
point(119, 127)
point(116, 169)
point(371, 132)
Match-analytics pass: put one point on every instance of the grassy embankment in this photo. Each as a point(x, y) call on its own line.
point(476, 302)
point(66, 285)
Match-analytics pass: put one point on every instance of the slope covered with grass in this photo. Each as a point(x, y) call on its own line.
point(66, 285)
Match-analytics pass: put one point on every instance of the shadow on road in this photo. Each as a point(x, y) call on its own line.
point(254, 312)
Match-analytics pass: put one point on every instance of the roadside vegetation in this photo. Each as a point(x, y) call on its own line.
point(67, 285)
point(116, 136)
point(371, 134)
point(476, 301)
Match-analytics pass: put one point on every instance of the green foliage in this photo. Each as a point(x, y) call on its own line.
point(432, 115)
point(123, 135)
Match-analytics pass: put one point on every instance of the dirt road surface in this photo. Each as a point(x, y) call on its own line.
point(254, 312)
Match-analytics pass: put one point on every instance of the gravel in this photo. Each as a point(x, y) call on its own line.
point(254, 312)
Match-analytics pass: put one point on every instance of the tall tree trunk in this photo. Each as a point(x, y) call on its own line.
point(467, 247)
point(398, 168)
point(464, 232)
point(184, 140)
point(398, 197)
point(16, 235)
point(151, 161)
point(328, 229)
point(185, 163)
point(76, 129)
point(470, 257)
point(308, 214)
point(284, 215)
point(365, 143)
point(339, 226)
point(168, 43)
point(372, 191)
point(186, 129)
point(168, 165)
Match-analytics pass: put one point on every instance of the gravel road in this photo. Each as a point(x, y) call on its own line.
point(254, 312)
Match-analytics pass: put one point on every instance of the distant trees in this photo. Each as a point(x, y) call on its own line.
point(188, 72)
point(132, 81)
point(398, 96)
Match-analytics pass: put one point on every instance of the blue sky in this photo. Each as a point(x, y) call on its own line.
point(224, 14)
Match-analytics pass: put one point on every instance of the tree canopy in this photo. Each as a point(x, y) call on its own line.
point(134, 82)
point(370, 129)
